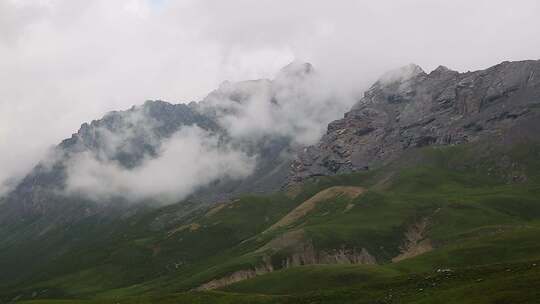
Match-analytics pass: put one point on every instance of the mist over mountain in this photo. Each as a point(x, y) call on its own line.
point(256, 136)
point(241, 138)
point(68, 61)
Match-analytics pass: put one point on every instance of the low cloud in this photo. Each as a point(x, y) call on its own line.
point(189, 159)
point(296, 104)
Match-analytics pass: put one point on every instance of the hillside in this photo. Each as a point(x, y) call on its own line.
point(449, 226)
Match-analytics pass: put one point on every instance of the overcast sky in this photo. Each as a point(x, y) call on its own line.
point(64, 62)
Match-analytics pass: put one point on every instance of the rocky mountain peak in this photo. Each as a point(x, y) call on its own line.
point(296, 69)
point(402, 74)
point(408, 108)
point(128, 136)
point(442, 69)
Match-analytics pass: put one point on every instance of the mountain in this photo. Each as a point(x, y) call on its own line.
point(67, 186)
point(427, 191)
point(408, 108)
point(125, 137)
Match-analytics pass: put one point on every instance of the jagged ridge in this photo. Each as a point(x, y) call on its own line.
point(408, 108)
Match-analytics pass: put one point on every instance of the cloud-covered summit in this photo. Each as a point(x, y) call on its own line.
point(295, 104)
point(165, 152)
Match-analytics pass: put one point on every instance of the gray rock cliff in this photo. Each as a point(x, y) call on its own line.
point(409, 108)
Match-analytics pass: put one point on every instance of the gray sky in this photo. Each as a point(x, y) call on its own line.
point(64, 62)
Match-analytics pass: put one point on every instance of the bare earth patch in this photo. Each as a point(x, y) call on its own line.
point(348, 207)
point(307, 206)
point(215, 209)
point(415, 242)
point(192, 227)
point(288, 239)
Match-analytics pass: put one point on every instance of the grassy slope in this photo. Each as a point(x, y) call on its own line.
point(480, 224)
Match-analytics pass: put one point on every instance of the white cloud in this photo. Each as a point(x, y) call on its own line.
point(295, 104)
point(191, 158)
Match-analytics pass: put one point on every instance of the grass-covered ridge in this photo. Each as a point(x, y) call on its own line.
point(481, 215)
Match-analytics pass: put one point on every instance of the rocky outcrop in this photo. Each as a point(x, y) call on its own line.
point(415, 241)
point(308, 255)
point(292, 249)
point(409, 108)
point(236, 276)
point(305, 254)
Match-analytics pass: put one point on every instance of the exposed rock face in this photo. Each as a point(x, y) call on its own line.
point(293, 249)
point(408, 108)
point(307, 255)
point(304, 254)
point(301, 251)
point(237, 276)
point(415, 241)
